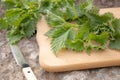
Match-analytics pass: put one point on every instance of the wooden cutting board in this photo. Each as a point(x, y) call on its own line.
point(69, 60)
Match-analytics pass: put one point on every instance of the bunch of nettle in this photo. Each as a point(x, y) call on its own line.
point(73, 26)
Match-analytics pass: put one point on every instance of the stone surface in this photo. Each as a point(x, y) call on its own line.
point(107, 3)
point(9, 70)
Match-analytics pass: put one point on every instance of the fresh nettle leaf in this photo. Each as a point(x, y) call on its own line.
point(59, 42)
point(89, 30)
point(13, 38)
point(9, 3)
point(76, 45)
point(54, 33)
point(54, 20)
point(29, 28)
point(73, 26)
point(20, 18)
point(101, 39)
point(115, 44)
point(3, 24)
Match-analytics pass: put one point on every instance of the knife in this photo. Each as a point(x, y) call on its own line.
point(19, 58)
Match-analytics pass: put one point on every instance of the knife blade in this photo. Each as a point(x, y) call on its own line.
point(20, 60)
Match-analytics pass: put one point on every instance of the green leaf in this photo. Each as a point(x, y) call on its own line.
point(59, 42)
point(13, 15)
point(88, 49)
point(115, 44)
point(96, 19)
point(13, 39)
point(115, 23)
point(71, 13)
point(89, 29)
point(89, 46)
point(89, 5)
point(56, 32)
point(74, 26)
point(72, 34)
point(53, 19)
point(30, 28)
point(20, 18)
point(8, 3)
point(3, 24)
point(76, 45)
point(101, 39)
point(83, 31)
point(46, 5)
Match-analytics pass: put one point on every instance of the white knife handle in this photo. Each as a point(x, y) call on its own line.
point(29, 73)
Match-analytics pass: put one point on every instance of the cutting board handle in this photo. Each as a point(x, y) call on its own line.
point(29, 73)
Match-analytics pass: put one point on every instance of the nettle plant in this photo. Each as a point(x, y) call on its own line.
point(74, 26)
point(20, 18)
